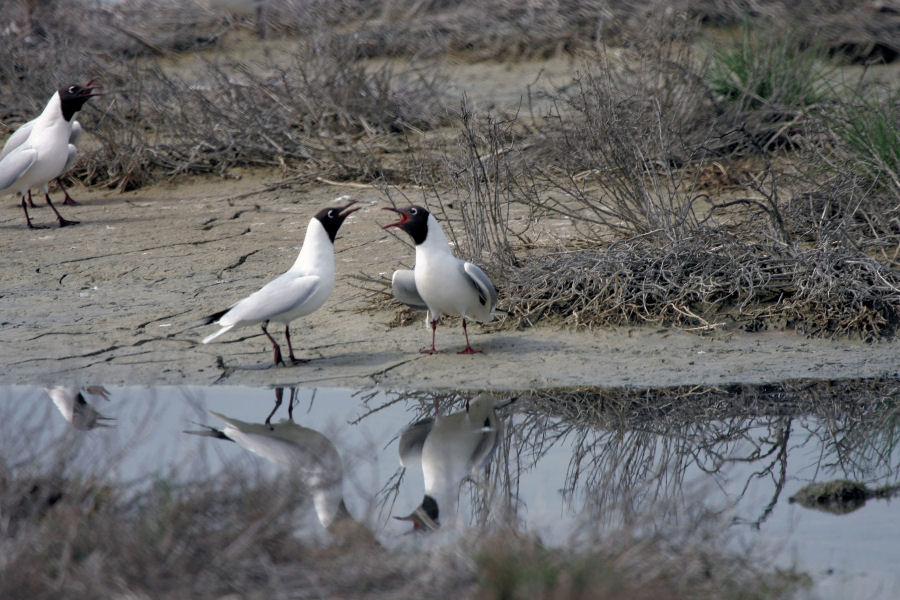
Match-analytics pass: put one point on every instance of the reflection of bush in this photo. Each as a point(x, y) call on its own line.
point(638, 444)
point(631, 448)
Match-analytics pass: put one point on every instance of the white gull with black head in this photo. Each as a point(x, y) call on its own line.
point(303, 289)
point(444, 283)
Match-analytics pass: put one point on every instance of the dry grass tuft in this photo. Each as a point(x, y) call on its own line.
point(324, 116)
point(704, 283)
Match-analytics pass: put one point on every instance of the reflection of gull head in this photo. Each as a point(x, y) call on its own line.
point(449, 448)
point(299, 451)
point(74, 408)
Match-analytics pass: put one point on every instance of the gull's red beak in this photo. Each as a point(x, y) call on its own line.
point(346, 210)
point(403, 219)
point(88, 89)
point(420, 521)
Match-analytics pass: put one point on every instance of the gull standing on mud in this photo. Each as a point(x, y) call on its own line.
point(450, 449)
point(303, 289)
point(21, 134)
point(440, 282)
point(43, 149)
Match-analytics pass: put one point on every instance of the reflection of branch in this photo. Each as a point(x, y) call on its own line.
point(389, 493)
point(380, 407)
point(640, 444)
point(781, 459)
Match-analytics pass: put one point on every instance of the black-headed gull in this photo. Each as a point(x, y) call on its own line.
point(303, 289)
point(73, 406)
point(47, 151)
point(441, 282)
point(450, 448)
point(21, 134)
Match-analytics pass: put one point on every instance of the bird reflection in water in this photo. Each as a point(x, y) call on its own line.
point(449, 449)
point(303, 453)
point(74, 407)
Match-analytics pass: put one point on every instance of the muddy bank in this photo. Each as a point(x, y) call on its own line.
point(113, 301)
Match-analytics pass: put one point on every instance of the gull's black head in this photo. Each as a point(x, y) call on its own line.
point(332, 218)
point(429, 505)
point(425, 517)
point(73, 96)
point(413, 220)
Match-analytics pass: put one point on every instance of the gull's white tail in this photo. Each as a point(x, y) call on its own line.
point(210, 338)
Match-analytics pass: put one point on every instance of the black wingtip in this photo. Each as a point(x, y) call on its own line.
point(209, 432)
point(213, 317)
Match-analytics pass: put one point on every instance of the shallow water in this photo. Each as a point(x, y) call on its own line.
point(564, 464)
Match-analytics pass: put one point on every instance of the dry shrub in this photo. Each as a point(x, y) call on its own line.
point(623, 159)
point(855, 156)
point(85, 537)
point(125, 29)
point(477, 184)
point(706, 282)
point(496, 29)
point(614, 151)
point(326, 114)
point(856, 31)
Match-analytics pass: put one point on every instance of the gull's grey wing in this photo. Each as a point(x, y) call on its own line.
point(403, 283)
point(70, 160)
point(14, 165)
point(412, 439)
point(490, 438)
point(17, 138)
point(73, 143)
point(486, 292)
point(21, 134)
point(76, 133)
point(280, 295)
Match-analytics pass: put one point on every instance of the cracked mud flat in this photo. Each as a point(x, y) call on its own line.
point(112, 301)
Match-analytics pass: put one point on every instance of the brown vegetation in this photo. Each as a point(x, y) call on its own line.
point(703, 181)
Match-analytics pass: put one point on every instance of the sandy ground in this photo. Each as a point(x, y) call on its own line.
point(113, 300)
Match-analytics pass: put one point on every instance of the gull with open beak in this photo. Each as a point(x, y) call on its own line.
point(303, 289)
point(440, 282)
point(449, 448)
point(44, 148)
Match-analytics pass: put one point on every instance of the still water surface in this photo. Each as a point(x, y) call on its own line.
point(557, 464)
